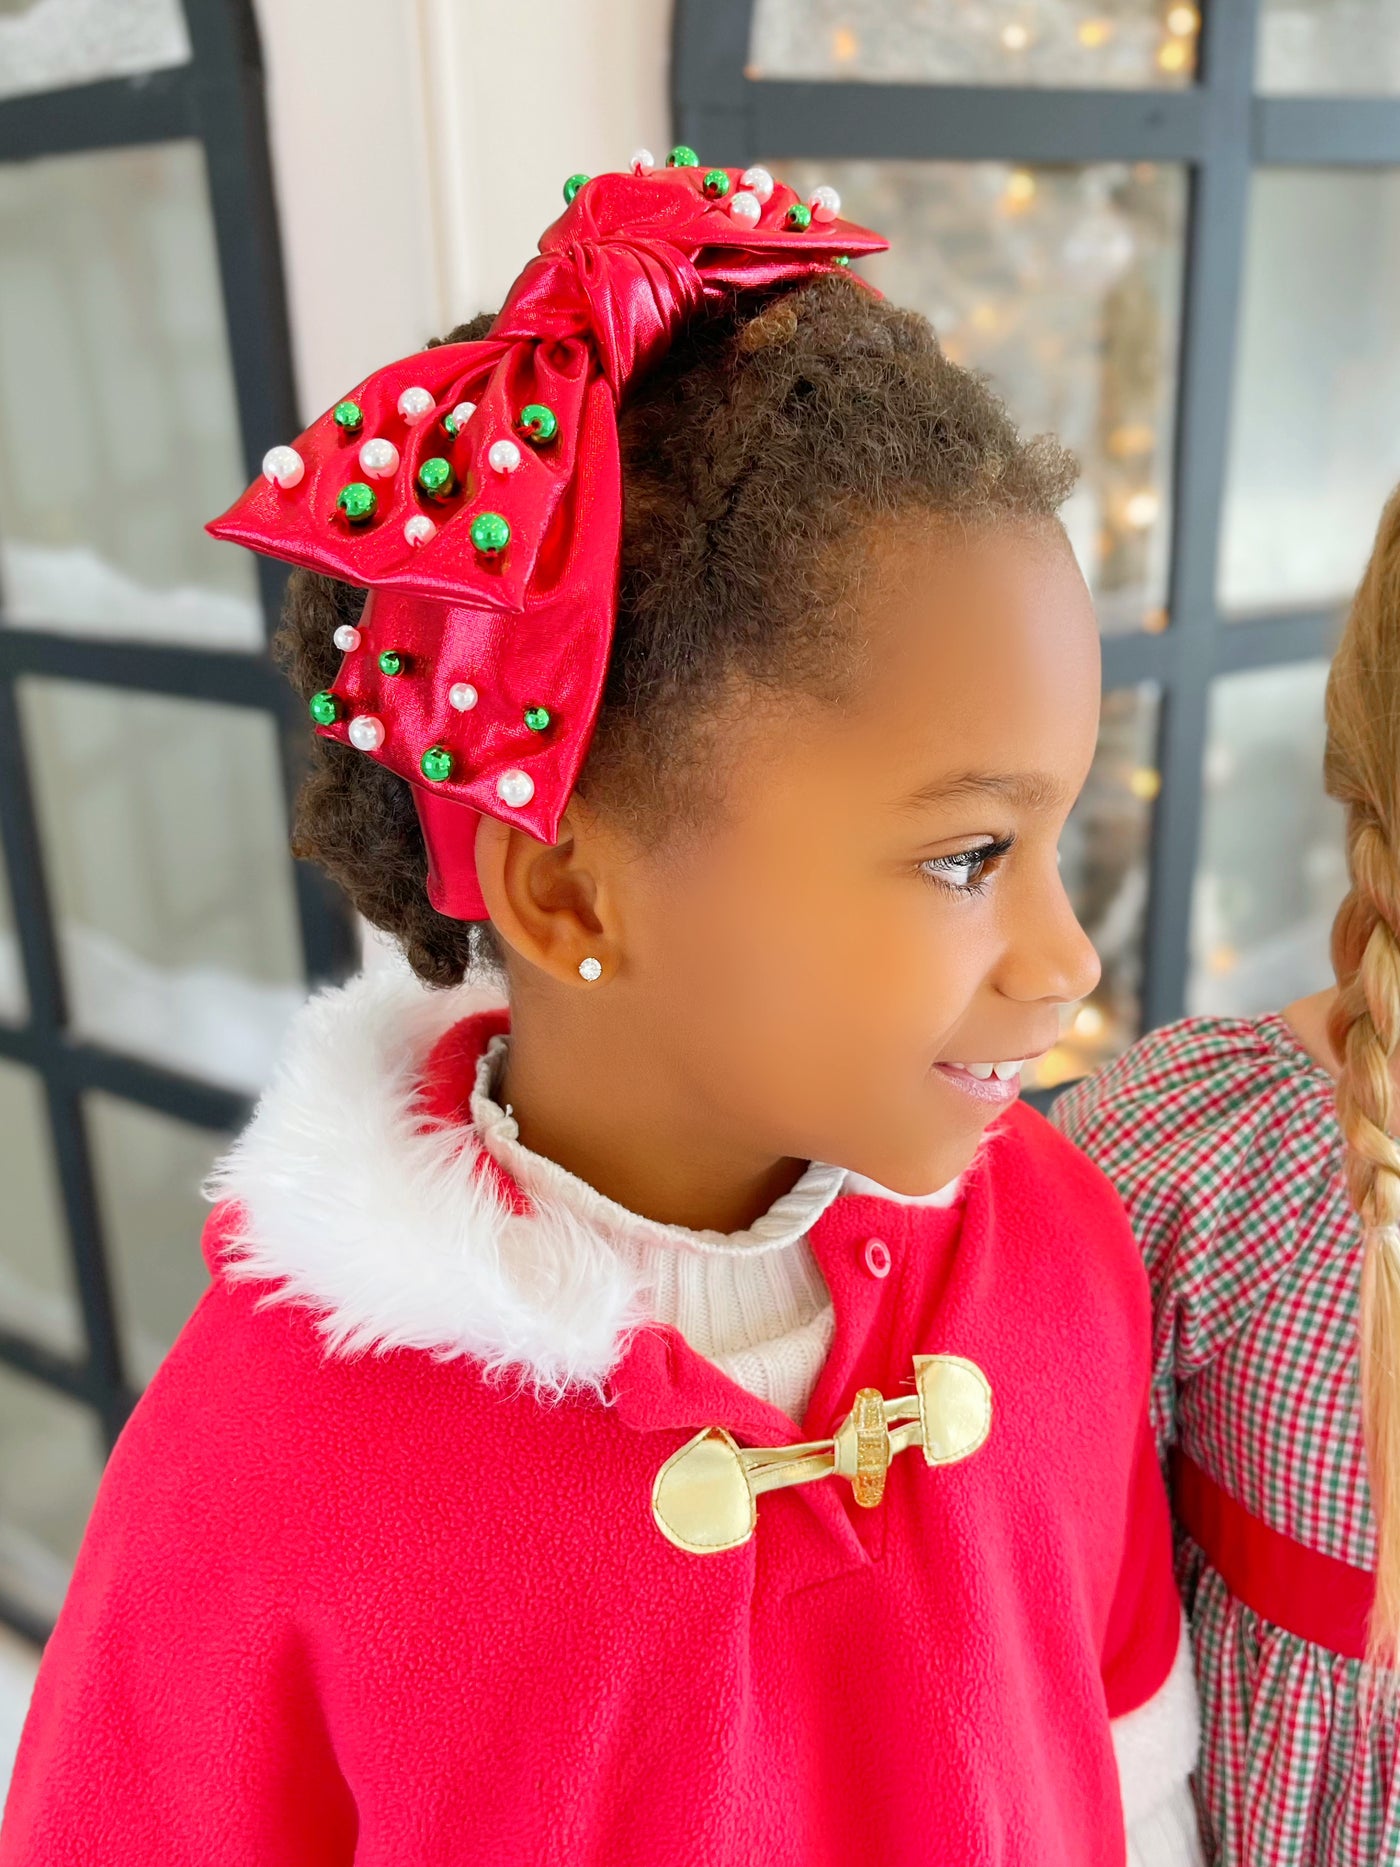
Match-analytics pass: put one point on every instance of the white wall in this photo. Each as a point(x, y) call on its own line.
point(420, 147)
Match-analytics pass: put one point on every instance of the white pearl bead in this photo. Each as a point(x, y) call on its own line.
point(824, 202)
point(642, 162)
point(366, 732)
point(415, 403)
point(419, 529)
point(462, 414)
point(346, 638)
point(379, 459)
point(463, 696)
point(515, 788)
point(745, 207)
point(503, 456)
point(283, 466)
point(758, 181)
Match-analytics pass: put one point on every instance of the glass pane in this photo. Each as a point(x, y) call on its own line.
point(1103, 857)
point(1329, 46)
point(50, 1464)
point(48, 44)
point(37, 1297)
point(12, 993)
point(118, 429)
point(166, 841)
point(1272, 870)
point(149, 1170)
point(1069, 42)
point(1064, 285)
point(1315, 439)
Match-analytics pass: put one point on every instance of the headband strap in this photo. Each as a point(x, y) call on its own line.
point(474, 491)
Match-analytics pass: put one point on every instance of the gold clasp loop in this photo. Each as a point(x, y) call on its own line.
point(704, 1498)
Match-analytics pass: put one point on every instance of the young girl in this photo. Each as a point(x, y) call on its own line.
point(1235, 1143)
point(566, 1465)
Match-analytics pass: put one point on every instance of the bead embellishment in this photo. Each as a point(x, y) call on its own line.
point(391, 662)
point(379, 459)
point(358, 502)
point(436, 764)
point(503, 456)
point(419, 529)
point(537, 423)
point(798, 217)
point(366, 732)
point(716, 184)
point(436, 478)
point(348, 417)
point(705, 1496)
point(463, 696)
point(538, 719)
point(682, 157)
point(642, 162)
point(284, 467)
point(490, 533)
point(746, 208)
point(824, 202)
point(347, 638)
point(458, 419)
point(758, 181)
point(515, 788)
point(415, 403)
point(325, 709)
point(572, 186)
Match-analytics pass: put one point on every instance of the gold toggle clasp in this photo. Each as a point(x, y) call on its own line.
point(705, 1498)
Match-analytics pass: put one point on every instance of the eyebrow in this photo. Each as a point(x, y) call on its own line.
point(1027, 790)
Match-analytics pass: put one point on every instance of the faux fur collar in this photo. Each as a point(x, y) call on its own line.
point(354, 1205)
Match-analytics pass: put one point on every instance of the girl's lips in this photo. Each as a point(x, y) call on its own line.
point(992, 1089)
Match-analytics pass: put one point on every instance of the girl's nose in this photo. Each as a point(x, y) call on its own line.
point(1051, 958)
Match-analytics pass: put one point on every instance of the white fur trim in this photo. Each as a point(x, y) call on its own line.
point(1156, 1746)
point(385, 1228)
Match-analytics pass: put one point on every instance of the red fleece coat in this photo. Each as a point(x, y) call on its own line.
point(378, 1609)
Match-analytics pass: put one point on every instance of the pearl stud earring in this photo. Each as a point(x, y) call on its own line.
point(590, 969)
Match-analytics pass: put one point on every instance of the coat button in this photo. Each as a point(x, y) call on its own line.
point(877, 1257)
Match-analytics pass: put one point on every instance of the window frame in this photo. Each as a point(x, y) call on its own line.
point(217, 99)
point(1220, 131)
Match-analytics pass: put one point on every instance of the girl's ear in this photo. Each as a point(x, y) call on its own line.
point(553, 905)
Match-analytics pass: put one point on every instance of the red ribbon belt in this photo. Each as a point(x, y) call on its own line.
point(1283, 1581)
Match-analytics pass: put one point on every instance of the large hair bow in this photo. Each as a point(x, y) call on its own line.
point(474, 491)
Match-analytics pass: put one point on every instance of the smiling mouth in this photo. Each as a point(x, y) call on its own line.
point(997, 1083)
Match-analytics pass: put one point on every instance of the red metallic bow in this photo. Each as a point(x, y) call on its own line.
point(474, 491)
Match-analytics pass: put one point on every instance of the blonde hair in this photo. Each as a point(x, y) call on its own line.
point(1363, 772)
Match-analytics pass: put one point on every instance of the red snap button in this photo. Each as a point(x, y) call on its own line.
point(877, 1257)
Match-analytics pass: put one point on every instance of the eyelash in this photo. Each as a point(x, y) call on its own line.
point(964, 861)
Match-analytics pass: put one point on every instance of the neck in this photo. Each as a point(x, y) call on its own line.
point(605, 1109)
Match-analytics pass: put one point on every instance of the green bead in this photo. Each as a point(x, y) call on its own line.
point(391, 662)
point(537, 719)
point(325, 709)
point(716, 184)
point(490, 533)
point(358, 502)
point(572, 186)
point(436, 477)
point(436, 763)
point(348, 417)
point(682, 157)
point(537, 424)
point(843, 259)
point(798, 217)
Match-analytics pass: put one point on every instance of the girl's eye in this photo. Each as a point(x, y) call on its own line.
point(967, 871)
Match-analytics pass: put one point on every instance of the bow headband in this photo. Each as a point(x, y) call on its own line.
point(474, 491)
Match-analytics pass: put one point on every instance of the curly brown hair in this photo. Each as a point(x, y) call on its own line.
point(758, 461)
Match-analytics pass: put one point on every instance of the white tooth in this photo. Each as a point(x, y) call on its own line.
point(980, 1070)
point(1005, 1071)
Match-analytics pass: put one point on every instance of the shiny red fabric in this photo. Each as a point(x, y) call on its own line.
point(631, 259)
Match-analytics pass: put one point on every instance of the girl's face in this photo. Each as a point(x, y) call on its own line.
point(879, 915)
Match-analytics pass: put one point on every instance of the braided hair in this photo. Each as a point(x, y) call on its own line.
point(758, 459)
point(1363, 771)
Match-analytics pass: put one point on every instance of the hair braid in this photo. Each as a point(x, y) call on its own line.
point(1363, 772)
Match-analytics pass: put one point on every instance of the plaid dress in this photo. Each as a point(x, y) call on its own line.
point(1222, 1138)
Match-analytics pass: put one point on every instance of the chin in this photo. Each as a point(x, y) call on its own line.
point(922, 1171)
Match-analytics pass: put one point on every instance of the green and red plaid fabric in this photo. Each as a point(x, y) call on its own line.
point(1221, 1136)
